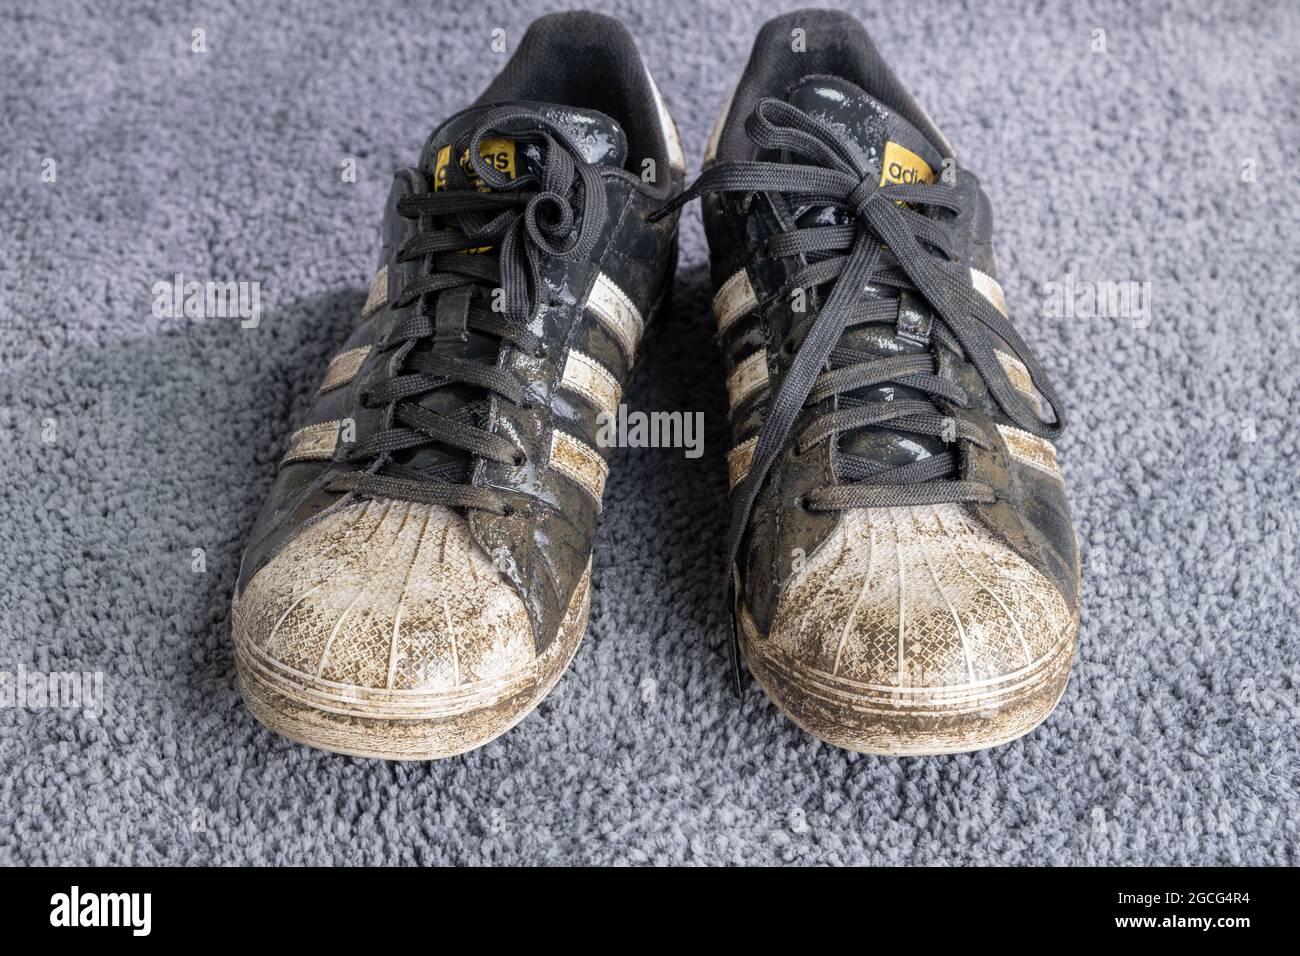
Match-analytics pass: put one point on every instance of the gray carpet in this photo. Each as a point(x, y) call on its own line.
point(1176, 741)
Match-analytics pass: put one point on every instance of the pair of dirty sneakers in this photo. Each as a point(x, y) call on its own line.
point(902, 570)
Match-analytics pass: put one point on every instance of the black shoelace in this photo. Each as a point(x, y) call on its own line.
point(884, 244)
point(472, 243)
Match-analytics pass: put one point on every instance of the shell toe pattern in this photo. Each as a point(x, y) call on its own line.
point(913, 630)
point(383, 630)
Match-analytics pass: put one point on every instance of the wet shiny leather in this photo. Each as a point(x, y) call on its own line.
point(1031, 514)
point(548, 540)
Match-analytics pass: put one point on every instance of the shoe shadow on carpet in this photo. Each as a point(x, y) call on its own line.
point(658, 557)
point(140, 467)
point(127, 529)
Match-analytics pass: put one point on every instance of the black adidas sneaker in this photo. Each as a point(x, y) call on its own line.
point(905, 570)
point(420, 576)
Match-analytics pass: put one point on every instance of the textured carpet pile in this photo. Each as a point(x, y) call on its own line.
point(1153, 145)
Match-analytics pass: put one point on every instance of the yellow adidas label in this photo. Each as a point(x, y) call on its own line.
point(499, 153)
point(901, 165)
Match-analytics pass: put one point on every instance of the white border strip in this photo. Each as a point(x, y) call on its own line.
point(377, 297)
point(343, 369)
point(584, 375)
point(734, 299)
point(617, 313)
point(579, 462)
point(990, 288)
point(739, 459)
point(749, 376)
point(1031, 450)
point(676, 155)
point(313, 443)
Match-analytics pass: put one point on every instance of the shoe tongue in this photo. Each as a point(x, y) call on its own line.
point(599, 139)
point(881, 139)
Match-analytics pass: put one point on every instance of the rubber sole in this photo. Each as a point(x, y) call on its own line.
point(909, 721)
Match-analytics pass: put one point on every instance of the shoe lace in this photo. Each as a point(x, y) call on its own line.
point(885, 241)
point(472, 242)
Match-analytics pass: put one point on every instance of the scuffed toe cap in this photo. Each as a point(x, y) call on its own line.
point(387, 595)
point(914, 629)
point(382, 630)
point(921, 595)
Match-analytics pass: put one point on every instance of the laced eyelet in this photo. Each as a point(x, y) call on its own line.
point(553, 214)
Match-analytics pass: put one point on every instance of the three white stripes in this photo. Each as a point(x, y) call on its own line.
point(587, 377)
point(596, 384)
point(736, 298)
